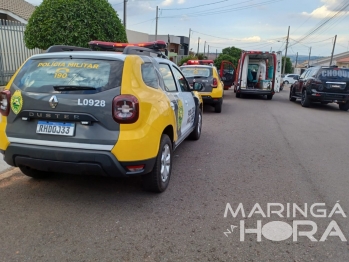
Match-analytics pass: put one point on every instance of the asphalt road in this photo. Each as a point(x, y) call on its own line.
point(255, 151)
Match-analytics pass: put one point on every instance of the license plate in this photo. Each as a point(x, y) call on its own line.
point(336, 86)
point(55, 128)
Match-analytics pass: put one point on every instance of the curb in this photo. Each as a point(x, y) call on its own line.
point(8, 172)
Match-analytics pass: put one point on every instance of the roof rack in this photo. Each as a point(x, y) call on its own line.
point(65, 48)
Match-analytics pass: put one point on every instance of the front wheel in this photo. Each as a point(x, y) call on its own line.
point(195, 135)
point(37, 174)
point(305, 102)
point(237, 95)
point(344, 107)
point(291, 98)
point(158, 179)
point(269, 97)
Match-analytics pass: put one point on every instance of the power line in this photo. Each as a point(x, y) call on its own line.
point(210, 12)
point(214, 3)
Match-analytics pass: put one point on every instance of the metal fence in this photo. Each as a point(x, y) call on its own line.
point(13, 51)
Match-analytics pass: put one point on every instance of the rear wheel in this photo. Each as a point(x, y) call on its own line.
point(269, 97)
point(195, 135)
point(218, 107)
point(37, 174)
point(305, 102)
point(237, 95)
point(158, 179)
point(344, 106)
point(286, 82)
point(291, 98)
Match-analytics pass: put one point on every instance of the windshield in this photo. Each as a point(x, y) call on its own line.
point(196, 71)
point(334, 74)
point(42, 75)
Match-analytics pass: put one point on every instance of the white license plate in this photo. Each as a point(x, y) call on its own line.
point(55, 128)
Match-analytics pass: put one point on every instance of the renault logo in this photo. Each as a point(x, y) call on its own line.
point(53, 101)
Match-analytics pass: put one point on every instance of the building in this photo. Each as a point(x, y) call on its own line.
point(178, 45)
point(338, 60)
point(16, 10)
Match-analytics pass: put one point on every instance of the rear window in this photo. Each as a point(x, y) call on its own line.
point(334, 74)
point(42, 74)
point(196, 71)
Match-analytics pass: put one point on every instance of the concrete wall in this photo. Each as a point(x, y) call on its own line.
point(135, 37)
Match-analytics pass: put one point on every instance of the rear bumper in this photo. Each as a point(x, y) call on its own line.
point(72, 161)
point(208, 100)
point(328, 97)
point(255, 92)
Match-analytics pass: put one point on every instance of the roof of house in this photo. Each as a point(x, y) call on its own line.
point(343, 60)
point(20, 8)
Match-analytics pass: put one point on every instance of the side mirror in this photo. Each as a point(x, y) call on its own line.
point(198, 86)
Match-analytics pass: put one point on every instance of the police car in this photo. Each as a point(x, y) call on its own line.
point(203, 72)
point(80, 111)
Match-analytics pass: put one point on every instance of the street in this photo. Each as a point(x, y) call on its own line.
point(255, 151)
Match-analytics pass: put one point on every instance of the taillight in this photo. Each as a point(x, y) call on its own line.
point(215, 82)
point(125, 109)
point(318, 85)
point(5, 97)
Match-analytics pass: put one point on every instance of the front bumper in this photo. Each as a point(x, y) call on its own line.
point(328, 97)
point(72, 161)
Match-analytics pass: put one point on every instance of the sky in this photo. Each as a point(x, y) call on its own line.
point(246, 24)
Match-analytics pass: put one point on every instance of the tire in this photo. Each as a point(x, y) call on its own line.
point(158, 179)
point(305, 102)
point(37, 174)
point(195, 135)
point(269, 97)
point(237, 95)
point(324, 103)
point(344, 107)
point(286, 82)
point(290, 96)
point(218, 107)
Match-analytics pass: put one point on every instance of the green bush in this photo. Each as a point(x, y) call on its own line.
point(73, 22)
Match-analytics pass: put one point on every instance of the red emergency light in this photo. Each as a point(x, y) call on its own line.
point(156, 45)
point(200, 62)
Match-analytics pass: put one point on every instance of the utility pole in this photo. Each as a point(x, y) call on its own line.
point(156, 23)
point(296, 60)
point(125, 1)
point(216, 53)
point(284, 65)
point(208, 51)
point(334, 45)
point(204, 48)
point(309, 58)
point(189, 41)
point(198, 46)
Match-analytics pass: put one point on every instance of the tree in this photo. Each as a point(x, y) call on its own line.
point(231, 54)
point(186, 58)
point(288, 67)
point(73, 22)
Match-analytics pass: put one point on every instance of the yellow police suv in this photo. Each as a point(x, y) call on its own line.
point(80, 111)
point(203, 72)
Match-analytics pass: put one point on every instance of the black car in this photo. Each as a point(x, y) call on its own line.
point(324, 85)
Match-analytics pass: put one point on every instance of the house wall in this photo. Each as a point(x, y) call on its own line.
point(135, 37)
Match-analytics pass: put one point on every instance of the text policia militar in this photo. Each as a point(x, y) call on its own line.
point(279, 230)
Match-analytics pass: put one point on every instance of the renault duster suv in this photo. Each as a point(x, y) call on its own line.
point(99, 113)
point(324, 85)
point(213, 89)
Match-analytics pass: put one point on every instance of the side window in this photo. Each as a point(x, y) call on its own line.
point(181, 80)
point(150, 78)
point(304, 74)
point(169, 81)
